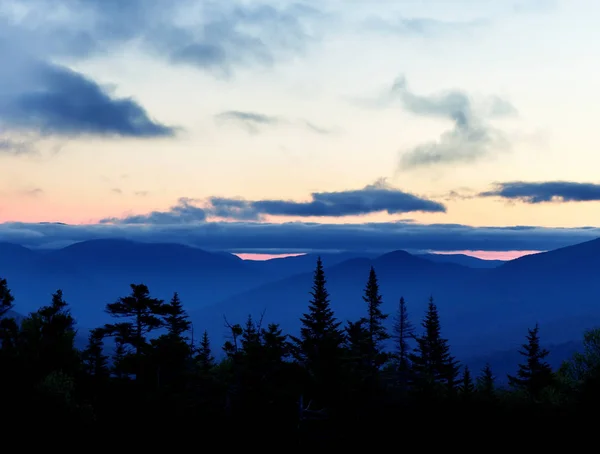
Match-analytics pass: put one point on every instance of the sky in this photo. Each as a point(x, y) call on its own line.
point(284, 127)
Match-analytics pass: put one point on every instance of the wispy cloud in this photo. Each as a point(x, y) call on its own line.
point(33, 192)
point(470, 139)
point(420, 26)
point(547, 191)
point(253, 122)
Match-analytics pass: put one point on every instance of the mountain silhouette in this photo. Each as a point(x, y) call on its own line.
point(463, 259)
point(483, 308)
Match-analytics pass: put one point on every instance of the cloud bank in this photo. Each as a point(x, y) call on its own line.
point(546, 191)
point(300, 237)
point(378, 197)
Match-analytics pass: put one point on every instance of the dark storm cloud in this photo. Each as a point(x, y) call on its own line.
point(546, 191)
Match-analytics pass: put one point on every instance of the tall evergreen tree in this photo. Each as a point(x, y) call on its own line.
point(8, 326)
point(467, 387)
point(319, 347)
point(94, 360)
point(403, 331)
point(46, 339)
point(535, 374)
point(144, 314)
point(432, 363)
point(176, 321)
point(204, 358)
point(486, 383)
point(6, 298)
point(171, 352)
point(377, 334)
point(121, 366)
point(358, 349)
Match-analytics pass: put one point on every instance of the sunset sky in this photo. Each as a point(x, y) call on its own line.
point(283, 126)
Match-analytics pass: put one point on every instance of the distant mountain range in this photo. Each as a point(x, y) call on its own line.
point(485, 306)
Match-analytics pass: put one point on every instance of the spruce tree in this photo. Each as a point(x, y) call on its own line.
point(144, 314)
point(403, 331)
point(319, 346)
point(535, 374)
point(467, 387)
point(204, 358)
point(486, 383)
point(377, 334)
point(95, 362)
point(46, 340)
point(433, 366)
point(6, 298)
point(176, 320)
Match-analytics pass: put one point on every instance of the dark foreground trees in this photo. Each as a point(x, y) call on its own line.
point(144, 376)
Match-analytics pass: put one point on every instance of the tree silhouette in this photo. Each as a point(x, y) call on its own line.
point(145, 314)
point(432, 363)
point(176, 320)
point(467, 387)
point(204, 358)
point(377, 333)
point(486, 383)
point(535, 374)
point(319, 347)
point(94, 360)
point(47, 339)
point(403, 331)
point(6, 297)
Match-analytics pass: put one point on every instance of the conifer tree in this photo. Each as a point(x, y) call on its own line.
point(535, 374)
point(403, 331)
point(358, 350)
point(204, 358)
point(144, 314)
point(46, 340)
point(486, 386)
point(176, 321)
point(319, 347)
point(171, 353)
point(9, 328)
point(467, 387)
point(432, 363)
point(275, 343)
point(94, 360)
point(6, 298)
point(377, 333)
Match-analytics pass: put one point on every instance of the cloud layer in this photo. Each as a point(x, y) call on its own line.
point(547, 191)
point(298, 237)
point(52, 99)
point(40, 94)
point(378, 197)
